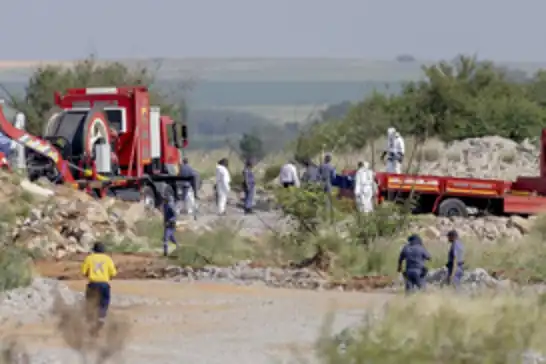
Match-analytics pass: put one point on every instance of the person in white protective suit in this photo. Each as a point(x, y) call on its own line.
point(364, 188)
point(223, 182)
point(395, 151)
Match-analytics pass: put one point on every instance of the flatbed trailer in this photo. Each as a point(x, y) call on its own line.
point(453, 196)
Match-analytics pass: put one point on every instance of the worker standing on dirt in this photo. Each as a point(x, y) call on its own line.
point(99, 269)
point(288, 175)
point(189, 186)
point(415, 255)
point(395, 151)
point(223, 182)
point(311, 173)
point(455, 259)
point(249, 187)
point(327, 173)
point(364, 187)
point(169, 224)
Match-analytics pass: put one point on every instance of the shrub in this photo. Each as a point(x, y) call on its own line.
point(222, 245)
point(271, 173)
point(15, 270)
point(442, 328)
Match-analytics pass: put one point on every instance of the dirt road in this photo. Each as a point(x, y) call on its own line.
point(209, 323)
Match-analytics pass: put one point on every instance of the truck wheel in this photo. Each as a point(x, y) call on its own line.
point(452, 207)
point(148, 197)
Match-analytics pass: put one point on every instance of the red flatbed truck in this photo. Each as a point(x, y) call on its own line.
point(453, 196)
point(91, 128)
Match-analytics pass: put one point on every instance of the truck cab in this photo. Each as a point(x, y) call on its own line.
point(141, 140)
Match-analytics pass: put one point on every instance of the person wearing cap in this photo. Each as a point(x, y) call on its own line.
point(169, 223)
point(99, 269)
point(414, 254)
point(455, 259)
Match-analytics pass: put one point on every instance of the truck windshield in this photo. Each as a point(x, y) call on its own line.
point(115, 118)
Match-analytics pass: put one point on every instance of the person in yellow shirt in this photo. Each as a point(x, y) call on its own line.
point(99, 269)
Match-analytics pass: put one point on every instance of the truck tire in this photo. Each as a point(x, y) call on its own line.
point(149, 197)
point(452, 207)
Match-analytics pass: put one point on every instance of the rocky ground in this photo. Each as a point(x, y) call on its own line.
point(167, 322)
point(176, 319)
point(488, 157)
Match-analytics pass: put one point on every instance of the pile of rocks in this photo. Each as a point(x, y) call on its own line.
point(488, 228)
point(244, 273)
point(35, 301)
point(488, 157)
point(67, 221)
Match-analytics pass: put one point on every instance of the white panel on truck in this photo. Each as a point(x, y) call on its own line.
point(155, 136)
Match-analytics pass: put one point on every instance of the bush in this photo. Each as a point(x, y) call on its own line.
point(455, 100)
point(39, 93)
point(222, 245)
point(15, 269)
point(271, 173)
point(443, 328)
point(353, 244)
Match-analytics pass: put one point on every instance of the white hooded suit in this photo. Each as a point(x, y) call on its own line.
point(223, 182)
point(395, 151)
point(364, 188)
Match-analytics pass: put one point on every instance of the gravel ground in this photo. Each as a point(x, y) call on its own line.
point(197, 322)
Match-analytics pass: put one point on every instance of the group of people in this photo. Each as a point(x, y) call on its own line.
point(415, 255)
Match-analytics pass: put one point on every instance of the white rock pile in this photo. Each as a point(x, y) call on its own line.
point(488, 157)
point(488, 228)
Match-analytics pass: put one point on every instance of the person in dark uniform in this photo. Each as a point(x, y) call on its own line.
point(249, 187)
point(169, 224)
point(455, 259)
point(415, 255)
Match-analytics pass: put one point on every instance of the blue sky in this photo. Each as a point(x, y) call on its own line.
point(502, 30)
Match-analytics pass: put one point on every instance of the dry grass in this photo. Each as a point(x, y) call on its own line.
point(444, 328)
point(205, 161)
point(430, 152)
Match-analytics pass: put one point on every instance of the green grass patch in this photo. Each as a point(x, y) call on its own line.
point(442, 328)
point(15, 268)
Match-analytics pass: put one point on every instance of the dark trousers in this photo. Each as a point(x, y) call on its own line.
point(457, 277)
point(249, 198)
point(6, 149)
point(414, 280)
point(168, 236)
point(98, 294)
point(287, 184)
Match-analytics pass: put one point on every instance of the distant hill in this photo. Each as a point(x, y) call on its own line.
point(267, 69)
point(229, 94)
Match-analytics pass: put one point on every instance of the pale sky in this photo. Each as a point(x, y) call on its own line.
point(501, 30)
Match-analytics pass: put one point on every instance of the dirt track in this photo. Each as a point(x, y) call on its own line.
point(210, 323)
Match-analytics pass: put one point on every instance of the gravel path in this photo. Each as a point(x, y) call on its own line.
point(206, 323)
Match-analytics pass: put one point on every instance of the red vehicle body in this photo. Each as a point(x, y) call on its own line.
point(145, 145)
point(451, 196)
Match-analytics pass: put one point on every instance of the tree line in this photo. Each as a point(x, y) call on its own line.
point(454, 100)
point(208, 129)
